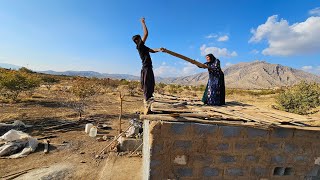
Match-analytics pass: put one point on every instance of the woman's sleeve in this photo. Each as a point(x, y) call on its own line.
point(217, 64)
point(214, 67)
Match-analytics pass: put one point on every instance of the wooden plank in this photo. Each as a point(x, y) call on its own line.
point(185, 58)
point(163, 117)
point(164, 107)
point(206, 116)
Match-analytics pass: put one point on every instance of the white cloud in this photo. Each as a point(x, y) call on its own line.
point(306, 68)
point(188, 69)
point(223, 38)
point(218, 52)
point(311, 69)
point(285, 39)
point(165, 71)
point(171, 71)
point(254, 51)
point(229, 64)
point(315, 11)
point(211, 36)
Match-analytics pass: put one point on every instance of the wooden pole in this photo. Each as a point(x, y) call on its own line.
point(120, 116)
point(185, 58)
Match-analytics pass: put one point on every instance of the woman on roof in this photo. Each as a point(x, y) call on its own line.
point(214, 94)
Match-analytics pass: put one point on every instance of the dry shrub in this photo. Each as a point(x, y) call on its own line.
point(299, 99)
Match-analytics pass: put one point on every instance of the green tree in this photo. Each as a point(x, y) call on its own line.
point(12, 83)
point(300, 98)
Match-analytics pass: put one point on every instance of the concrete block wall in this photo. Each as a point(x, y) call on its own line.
point(181, 150)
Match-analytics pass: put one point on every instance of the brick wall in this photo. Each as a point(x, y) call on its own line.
point(178, 150)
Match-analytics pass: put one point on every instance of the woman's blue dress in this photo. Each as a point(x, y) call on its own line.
point(215, 90)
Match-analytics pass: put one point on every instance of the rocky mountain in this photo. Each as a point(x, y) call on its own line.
point(247, 75)
point(252, 75)
point(93, 74)
point(9, 66)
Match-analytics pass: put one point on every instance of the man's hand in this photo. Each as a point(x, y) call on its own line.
point(143, 21)
point(162, 49)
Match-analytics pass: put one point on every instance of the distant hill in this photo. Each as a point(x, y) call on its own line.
point(9, 66)
point(252, 75)
point(93, 74)
point(248, 75)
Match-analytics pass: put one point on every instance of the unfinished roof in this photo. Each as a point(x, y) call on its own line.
point(172, 108)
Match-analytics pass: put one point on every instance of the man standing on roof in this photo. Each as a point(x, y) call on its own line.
point(147, 76)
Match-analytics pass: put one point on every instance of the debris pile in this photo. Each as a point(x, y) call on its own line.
point(16, 144)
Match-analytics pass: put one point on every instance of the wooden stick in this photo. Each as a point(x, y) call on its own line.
point(185, 58)
point(135, 150)
point(17, 173)
point(113, 141)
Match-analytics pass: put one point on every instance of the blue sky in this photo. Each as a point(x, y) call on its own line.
point(96, 35)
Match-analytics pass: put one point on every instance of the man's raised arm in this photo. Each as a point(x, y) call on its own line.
point(145, 30)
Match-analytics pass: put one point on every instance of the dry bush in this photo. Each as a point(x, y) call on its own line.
point(83, 90)
point(160, 88)
point(133, 87)
point(48, 81)
point(299, 99)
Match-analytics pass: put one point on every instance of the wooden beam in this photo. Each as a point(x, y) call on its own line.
point(185, 58)
point(163, 117)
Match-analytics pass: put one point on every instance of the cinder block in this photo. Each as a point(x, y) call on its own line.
point(251, 158)
point(307, 134)
point(184, 172)
point(300, 159)
point(157, 149)
point(208, 172)
point(235, 172)
point(279, 171)
point(230, 131)
point(278, 159)
point(259, 171)
point(270, 146)
point(205, 129)
point(179, 128)
point(290, 147)
point(222, 146)
point(227, 159)
point(253, 133)
point(154, 163)
point(203, 160)
point(282, 133)
point(129, 144)
point(183, 145)
point(245, 145)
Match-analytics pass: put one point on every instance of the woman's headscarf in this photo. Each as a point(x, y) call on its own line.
point(212, 58)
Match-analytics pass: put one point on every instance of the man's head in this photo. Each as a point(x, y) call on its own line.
point(136, 38)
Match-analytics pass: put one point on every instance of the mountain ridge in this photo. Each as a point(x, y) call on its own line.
point(245, 75)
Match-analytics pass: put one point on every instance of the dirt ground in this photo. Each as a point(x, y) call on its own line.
point(70, 146)
point(69, 143)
